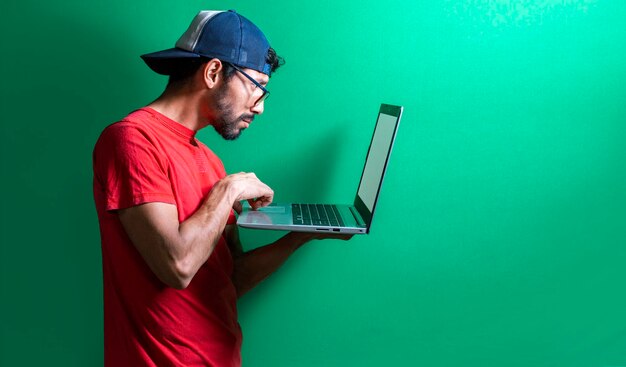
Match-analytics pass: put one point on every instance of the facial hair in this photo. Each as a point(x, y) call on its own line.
point(226, 123)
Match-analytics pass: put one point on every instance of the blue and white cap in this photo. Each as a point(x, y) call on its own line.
point(225, 35)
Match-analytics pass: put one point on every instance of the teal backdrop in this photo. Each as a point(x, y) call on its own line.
point(501, 233)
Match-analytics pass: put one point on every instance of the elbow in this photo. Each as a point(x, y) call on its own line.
point(179, 283)
point(242, 280)
point(183, 274)
point(178, 275)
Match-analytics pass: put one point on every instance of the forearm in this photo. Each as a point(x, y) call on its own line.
point(199, 234)
point(175, 251)
point(254, 266)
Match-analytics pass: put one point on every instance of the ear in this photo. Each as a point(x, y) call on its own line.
point(211, 73)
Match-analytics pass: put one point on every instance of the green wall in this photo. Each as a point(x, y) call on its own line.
point(509, 167)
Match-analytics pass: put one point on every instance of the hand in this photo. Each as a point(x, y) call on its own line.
point(248, 187)
point(308, 236)
point(332, 236)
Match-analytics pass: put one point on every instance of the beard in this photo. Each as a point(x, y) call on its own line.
point(226, 123)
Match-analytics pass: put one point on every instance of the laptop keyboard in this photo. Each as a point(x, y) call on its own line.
point(316, 215)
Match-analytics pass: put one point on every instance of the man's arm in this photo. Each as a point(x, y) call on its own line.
point(252, 267)
point(175, 251)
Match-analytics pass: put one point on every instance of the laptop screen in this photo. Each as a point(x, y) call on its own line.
point(377, 157)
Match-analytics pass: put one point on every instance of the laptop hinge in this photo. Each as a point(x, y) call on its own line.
point(357, 216)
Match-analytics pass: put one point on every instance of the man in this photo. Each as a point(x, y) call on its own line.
point(173, 266)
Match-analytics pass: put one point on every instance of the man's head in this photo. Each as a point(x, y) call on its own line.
point(224, 35)
point(229, 55)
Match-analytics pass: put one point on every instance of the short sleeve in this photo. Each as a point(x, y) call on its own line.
point(130, 169)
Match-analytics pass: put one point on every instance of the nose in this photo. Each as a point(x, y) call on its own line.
point(258, 109)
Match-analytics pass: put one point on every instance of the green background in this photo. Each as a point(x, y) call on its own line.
point(509, 170)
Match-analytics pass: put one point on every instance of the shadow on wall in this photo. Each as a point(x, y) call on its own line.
point(60, 94)
point(315, 168)
point(305, 174)
point(308, 171)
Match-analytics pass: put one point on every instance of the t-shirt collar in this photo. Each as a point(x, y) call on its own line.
point(176, 127)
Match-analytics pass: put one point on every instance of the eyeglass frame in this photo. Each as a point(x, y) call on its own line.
point(266, 93)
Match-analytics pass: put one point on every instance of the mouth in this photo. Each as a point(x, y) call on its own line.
point(247, 122)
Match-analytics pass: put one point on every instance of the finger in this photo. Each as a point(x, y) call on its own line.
point(330, 236)
point(259, 202)
point(268, 198)
point(251, 202)
point(237, 207)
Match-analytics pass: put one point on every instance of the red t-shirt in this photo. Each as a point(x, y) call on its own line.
point(144, 158)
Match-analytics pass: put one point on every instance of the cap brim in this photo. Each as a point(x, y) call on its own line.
point(166, 61)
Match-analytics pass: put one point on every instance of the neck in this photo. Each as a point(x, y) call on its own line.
point(183, 107)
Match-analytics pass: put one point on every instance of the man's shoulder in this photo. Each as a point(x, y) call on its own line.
point(136, 126)
point(137, 121)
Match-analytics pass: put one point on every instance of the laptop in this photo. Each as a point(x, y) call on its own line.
point(356, 218)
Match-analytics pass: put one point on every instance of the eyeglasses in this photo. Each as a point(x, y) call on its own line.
point(266, 93)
